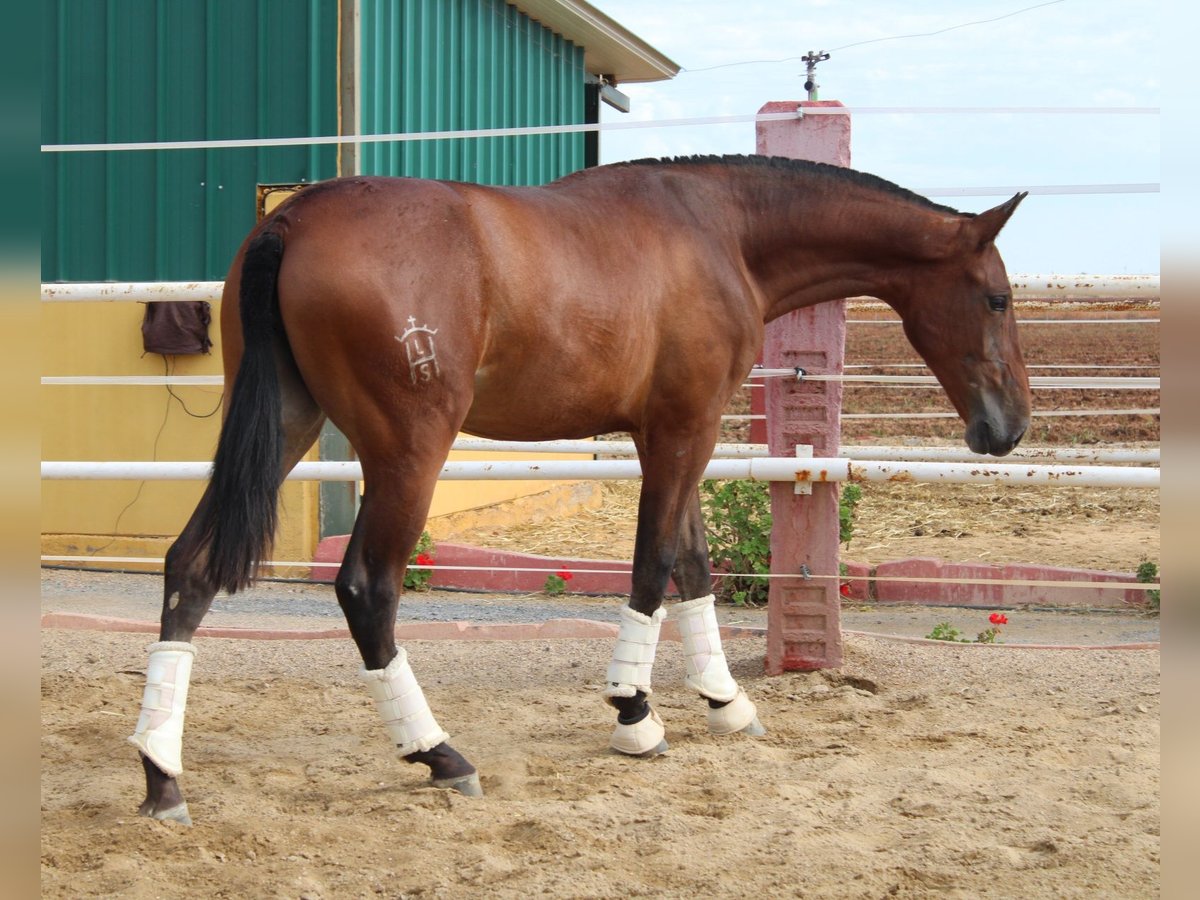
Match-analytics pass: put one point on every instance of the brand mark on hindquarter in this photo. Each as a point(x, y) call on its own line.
point(420, 351)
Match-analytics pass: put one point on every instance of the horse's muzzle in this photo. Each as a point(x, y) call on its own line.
point(983, 437)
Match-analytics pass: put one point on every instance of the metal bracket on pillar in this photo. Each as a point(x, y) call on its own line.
point(804, 451)
point(810, 62)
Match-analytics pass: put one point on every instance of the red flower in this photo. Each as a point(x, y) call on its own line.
point(565, 576)
point(845, 589)
point(998, 619)
point(424, 559)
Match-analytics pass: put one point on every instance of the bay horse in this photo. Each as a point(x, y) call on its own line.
point(628, 297)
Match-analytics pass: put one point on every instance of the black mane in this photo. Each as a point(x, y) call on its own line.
point(800, 166)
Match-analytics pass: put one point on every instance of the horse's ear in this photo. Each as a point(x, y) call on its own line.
point(988, 224)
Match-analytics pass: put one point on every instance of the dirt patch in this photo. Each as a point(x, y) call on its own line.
point(913, 770)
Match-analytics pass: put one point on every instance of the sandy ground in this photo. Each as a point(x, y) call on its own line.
point(913, 771)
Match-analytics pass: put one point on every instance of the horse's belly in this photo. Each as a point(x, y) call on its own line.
point(533, 411)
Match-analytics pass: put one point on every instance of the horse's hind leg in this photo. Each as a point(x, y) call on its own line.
point(388, 527)
point(187, 596)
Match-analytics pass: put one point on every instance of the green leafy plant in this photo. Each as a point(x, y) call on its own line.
point(1147, 573)
point(556, 582)
point(847, 509)
point(944, 631)
point(738, 514)
point(416, 576)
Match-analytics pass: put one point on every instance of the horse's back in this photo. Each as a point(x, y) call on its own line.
point(556, 310)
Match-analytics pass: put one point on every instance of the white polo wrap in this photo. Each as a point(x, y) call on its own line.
point(159, 730)
point(633, 656)
point(402, 706)
point(707, 670)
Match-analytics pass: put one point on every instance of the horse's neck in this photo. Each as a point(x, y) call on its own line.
point(809, 246)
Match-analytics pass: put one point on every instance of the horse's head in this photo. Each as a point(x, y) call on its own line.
point(957, 313)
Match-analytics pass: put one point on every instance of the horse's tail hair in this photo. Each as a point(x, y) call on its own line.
point(238, 521)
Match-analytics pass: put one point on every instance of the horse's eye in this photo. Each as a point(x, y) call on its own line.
point(998, 302)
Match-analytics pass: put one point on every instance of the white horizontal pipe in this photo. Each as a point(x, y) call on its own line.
point(1030, 322)
point(1065, 285)
point(602, 448)
point(137, 380)
point(1037, 382)
point(1141, 187)
point(1038, 413)
point(132, 291)
point(1040, 382)
point(518, 131)
point(955, 454)
point(891, 453)
point(1025, 286)
point(818, 469)
point(1030, 367)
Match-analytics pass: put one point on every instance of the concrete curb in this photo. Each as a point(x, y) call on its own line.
point(465, 631)
point(498, 570)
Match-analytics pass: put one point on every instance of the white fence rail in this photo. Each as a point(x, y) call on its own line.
point(799, 471)
point(1024, 287)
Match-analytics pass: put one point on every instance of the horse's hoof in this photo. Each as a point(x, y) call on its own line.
point(739, 714)
point(660, 748)
point(174, 814)
point(467, 785)
point(754, 729)
point(644, 738)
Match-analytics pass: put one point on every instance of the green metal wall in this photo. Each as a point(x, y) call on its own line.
point(439, 65)
point(163, 70)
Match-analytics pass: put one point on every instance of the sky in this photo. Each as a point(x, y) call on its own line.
point(1066, 53)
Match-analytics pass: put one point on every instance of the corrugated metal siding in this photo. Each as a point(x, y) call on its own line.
point(437, 65)
point(144, 70)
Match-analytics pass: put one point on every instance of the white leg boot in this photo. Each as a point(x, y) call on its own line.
point(408, 719)
point(402, 706)
point(159, 730)
point(628, 673)
point(708, 671)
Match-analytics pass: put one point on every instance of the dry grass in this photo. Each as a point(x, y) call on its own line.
point(1108, 529)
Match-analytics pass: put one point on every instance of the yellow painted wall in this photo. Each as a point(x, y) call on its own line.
point(87, 422)
point(90, 422)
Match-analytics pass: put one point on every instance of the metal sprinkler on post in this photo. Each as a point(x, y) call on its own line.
point(810, 61)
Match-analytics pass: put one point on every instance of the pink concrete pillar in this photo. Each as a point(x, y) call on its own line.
point(803, 620)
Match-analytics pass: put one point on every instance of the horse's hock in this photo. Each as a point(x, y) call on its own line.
point(804, 626)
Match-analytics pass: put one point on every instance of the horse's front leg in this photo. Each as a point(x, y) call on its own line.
point(671, 541)
point(671, 468)
point(729, 709)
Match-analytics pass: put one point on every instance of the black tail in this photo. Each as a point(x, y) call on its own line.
point(238, 521)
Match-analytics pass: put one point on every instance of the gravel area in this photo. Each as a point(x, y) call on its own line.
point(293, 605)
